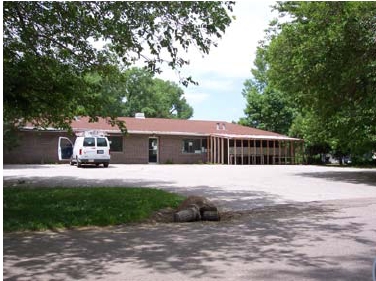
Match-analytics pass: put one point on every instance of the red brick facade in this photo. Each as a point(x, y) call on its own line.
point(38, 147)
point(178, 141)
point(136, 151)
point(35, 147)
point(171, 151)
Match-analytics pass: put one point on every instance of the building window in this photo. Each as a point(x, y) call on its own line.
point(116, 143)
point(194, 145)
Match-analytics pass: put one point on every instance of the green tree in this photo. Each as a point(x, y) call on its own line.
point(152, 96)
point(324, 57)
point(138, 92)
point(267, 108)
point(171, 101)
point(49, 58)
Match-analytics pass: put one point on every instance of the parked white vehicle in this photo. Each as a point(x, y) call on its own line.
point(89, 148)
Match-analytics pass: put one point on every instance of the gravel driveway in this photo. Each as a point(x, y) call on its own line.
point(232, 187)
point(332, 239)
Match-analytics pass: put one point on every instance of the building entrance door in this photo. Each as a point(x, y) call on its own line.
point(153, 150)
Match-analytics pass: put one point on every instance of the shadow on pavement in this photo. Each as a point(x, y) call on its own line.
point(235, 199)
point(294, 242)
point(357, 177)
point(310, 241)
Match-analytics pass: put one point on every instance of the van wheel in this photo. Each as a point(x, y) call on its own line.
point(71, 163)
point(78, 163)
point(105, 165)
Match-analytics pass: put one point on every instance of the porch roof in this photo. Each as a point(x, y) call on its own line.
point(256, 137)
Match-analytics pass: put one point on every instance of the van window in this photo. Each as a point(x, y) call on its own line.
point(101, 142)
point(89, 141)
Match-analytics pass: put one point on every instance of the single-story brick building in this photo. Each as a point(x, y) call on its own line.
point(156, 140)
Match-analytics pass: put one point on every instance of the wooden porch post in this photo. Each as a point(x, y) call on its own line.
point(211, 149)
point(262, 153)
point(217, 156)
point(242, 152)
point(219, 150)
point(235, 152)
point(215, 150)
point(273, 152)
point(207, 149)
point(286, 153)
point(292, 153)
point(228, 151)
point(279, 152)
point(254, 152)
point(249, 151)
point(223, 151)
point(267, 152)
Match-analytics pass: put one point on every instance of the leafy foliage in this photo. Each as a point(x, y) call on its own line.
point(51, 66)
point(324, 58)
point(153, 96)
point(267, 108)
point(63, 30)
point(137, 90)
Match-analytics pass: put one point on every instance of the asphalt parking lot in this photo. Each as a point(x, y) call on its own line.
point(232, 187)
point(311, 223)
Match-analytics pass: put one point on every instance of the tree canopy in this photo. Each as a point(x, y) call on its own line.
point(266, 108)
point(137, 90)
point(321, 56)
point(325, 58)
point(53, 71)
point(134, 30)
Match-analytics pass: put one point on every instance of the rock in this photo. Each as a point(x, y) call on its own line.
point(210, 216)
point(195, 200)
point(196, 208)
point(191, 213)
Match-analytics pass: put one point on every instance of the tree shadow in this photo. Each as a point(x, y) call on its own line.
point(283, 242)
point(26, 167)
point(271, 241)
point(357, 177)
point(234, 199)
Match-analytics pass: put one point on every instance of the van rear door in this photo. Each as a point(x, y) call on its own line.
point(89, 148)
point(64, 149)
point(103, 148)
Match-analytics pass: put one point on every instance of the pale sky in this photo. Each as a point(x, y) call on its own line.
point(221, 74)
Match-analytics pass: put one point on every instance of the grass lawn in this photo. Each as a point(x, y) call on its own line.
point(49, 208)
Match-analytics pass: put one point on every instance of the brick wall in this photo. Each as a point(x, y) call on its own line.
point(135, 150)
point(170, 150)
point(35, 147)
point(38, 147)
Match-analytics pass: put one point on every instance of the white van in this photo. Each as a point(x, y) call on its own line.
point(89, 148)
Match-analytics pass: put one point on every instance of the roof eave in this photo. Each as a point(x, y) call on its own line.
point(256, 137)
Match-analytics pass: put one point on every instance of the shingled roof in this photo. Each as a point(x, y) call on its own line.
point(160, 126)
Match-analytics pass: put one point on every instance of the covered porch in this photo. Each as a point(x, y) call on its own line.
point(254, 150)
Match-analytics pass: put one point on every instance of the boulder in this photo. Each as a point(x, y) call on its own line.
point(196, 200)
point(190, 213)
point(196, 208)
